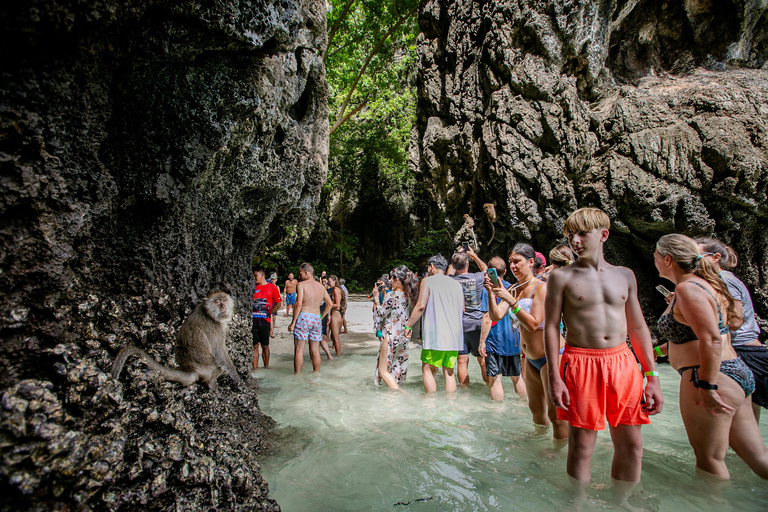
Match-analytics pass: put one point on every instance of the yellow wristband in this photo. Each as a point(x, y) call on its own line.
point(652, 373)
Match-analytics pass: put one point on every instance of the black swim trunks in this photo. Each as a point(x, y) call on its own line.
point(756, 358)
point(260, 335)
point(508, 366)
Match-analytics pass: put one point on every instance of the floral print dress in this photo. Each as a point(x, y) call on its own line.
point(390, 318)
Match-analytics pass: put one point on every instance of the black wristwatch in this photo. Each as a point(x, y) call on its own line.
point(706, 385)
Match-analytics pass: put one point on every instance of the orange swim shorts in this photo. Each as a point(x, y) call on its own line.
point(602, 383)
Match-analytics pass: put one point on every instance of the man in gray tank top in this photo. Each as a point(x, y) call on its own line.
point(441, 301)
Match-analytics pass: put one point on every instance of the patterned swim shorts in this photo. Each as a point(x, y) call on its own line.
point(308, 326)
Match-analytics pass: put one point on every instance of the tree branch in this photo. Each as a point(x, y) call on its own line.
point(343, 107)
point(341, 121)
point(336, 26)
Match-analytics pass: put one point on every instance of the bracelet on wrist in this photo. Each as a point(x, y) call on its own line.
point(408, 328)
point(703, 384)
point(517, 309)
point(657, 348)
point(651, 373)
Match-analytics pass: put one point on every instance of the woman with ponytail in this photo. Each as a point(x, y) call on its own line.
point(389, 318)
point(744, 332)
point(716, 384)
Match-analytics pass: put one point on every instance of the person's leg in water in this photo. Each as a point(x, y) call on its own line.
point(481, 362)
point(255, 363)
point(581, 446)
point(298, 354)
point(559, 427)
point(519, 383)
point(335, 331)
point(314, 355)
point(496, 387)
point(537, 397)
point(344, 323)
point(265, 355)
point(382, 365)
point(462, 369)
point(450, 380)
point(428, 376)
point(627, 461)
point(326, 348)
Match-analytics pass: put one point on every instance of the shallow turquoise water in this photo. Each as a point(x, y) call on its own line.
point(347, 445)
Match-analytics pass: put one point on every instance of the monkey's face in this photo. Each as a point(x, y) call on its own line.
point(219, 306)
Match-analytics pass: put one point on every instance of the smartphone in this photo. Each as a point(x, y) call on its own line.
point(666, 293)
point(493, 276)
point(465, 246)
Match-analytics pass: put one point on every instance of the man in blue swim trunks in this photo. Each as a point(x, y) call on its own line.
point(289, 293)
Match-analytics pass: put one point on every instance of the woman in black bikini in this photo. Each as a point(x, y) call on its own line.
point(716, 384)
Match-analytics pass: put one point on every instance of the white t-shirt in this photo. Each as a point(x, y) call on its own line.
point(443, 328)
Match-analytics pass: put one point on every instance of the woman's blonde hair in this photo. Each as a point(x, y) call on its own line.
point(685, 252)
point(586, 219)
point(561, 256)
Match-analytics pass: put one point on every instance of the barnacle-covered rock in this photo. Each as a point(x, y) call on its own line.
point(147, 150)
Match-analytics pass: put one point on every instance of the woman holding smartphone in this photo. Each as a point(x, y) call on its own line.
point(525, 302)
point(389, 318)
point(716, 385)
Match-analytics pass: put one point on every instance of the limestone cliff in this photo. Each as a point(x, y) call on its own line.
point(655, 111)
point(147, 149)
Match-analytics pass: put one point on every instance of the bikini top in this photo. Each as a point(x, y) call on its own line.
point(679, 333)
point(527, 303)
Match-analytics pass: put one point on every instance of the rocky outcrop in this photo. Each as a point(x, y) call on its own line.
point(654, 111)
point(147, 149)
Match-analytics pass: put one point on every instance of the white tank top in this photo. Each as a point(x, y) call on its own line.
point(442, 317)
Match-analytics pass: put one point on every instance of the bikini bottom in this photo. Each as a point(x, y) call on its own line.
point(734, 368)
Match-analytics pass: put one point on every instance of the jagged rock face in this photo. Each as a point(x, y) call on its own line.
point(146, 151)
point(654, 111)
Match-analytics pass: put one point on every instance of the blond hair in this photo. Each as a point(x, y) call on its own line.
point(685, 252)
point(561, 256)
point(586, 219)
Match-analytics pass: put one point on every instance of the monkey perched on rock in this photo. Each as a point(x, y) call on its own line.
point(490, 212)
point(466, 229)
point(201, 350)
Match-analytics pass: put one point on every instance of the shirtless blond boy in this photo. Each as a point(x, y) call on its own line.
point(307, 321)
point(598, 376)
point(289, 293)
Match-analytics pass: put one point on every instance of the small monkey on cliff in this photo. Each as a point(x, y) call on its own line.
point(466, 229)
point(490, 212)
point(201, 350)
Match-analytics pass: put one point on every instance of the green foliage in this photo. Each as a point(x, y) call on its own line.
point(368, 152)
point(433, 243)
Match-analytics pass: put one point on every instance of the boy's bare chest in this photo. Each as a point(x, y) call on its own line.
point(597, 289)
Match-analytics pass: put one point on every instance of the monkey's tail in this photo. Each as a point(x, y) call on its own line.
point(185, 378)
point(493, 233)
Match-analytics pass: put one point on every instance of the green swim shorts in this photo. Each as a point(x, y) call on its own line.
point(440, 358)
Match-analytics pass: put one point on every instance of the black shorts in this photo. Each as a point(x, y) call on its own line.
point(471, 343)
point(756, 359)
point(508, 366)
point(260, 335)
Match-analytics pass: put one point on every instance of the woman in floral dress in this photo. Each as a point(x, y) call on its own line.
point(390, 317)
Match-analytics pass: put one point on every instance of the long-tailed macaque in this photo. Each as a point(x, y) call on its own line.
point(201, 350)
point(490, 212)
point(466, 229)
